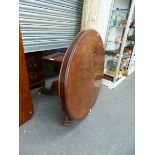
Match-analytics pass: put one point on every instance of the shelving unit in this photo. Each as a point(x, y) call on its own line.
point(131, 67)
point(119, 43)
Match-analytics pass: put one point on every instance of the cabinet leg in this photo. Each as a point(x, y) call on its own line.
point(48, 91)
point(66, 121)
point(43, 90)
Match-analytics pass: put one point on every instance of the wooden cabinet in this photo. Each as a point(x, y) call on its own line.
point(34, 68)
point(25, 99)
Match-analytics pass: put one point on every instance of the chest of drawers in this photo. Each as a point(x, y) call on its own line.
point(34, 69)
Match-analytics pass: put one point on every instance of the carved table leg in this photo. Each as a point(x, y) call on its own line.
point(43, 90)
point(54, 86)
point(66, 121)
point(48, 91)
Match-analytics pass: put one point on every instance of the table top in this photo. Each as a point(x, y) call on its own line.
point(81, 74)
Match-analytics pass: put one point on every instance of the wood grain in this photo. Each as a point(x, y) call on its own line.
point(25, 99)
point(81, 74)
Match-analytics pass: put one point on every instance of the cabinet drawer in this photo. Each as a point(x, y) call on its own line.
point(35, 77)
point(33, 62)
point(33, 66)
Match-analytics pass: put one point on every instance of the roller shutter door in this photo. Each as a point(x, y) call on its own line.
point(49, 24)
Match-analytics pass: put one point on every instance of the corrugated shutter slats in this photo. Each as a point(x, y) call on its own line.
point(49, 24)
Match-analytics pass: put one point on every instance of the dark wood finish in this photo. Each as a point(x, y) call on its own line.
point(54, 59)
point(66, 121)
point(34, 68)
point(81, 74)
point(33, 61)
point(25, 99)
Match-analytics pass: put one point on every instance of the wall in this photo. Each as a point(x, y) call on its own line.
point(89, 14)
point(103, 12)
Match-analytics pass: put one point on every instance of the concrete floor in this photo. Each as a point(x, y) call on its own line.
point(108, 130)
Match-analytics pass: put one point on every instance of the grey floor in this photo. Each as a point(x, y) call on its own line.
point(108, 130)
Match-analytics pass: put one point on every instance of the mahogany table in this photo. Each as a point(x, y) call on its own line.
point(80, 74)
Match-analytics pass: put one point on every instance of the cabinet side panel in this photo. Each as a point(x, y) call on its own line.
point(25, 99)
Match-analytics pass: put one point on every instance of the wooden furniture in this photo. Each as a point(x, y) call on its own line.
point(34, 62)
point(34, 68)
point(80, 74)
point(56, 60)
point(25, 99)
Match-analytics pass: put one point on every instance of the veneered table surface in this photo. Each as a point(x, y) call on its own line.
point(81, 74)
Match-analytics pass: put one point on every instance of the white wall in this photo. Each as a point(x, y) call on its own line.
point(103, 12)
point(89, 14)
point(95, 15)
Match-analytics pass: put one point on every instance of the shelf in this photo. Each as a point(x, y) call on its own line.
point(112, 52)
point(112, 55)
point(105, 73)
point(112, 73)
point(121, 10)
point(112, 85)
point(111, 78)
point(126, 56)
point(131, 27)
point(117, 26)
point(114, 42)
point(107, 77)
point(129, 41)
point(116, 55)
point(121, 26)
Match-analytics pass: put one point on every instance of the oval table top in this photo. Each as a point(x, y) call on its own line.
point(81, 74)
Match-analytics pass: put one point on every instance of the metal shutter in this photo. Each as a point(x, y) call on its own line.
point(49, 24)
